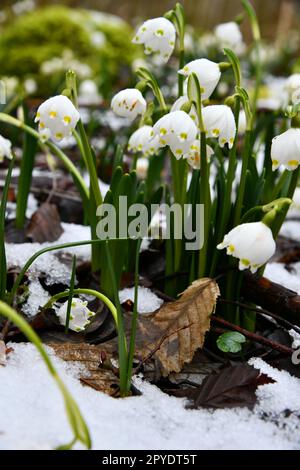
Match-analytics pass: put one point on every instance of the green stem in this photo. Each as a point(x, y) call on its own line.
point(122, 342)
point(76, 420)
point(89, 160)
point(205, 199)
point(33, 258)
point(243, 179)
point(93, 292)
point(134, 317)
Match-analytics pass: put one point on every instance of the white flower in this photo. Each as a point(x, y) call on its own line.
point(142, 166)
point(129, 103)
point(158, 36)
point(242, 122)
point(219, 122)
point(292, 86)
point(177, 130)
point(181, 102)
point(80, 315)
point(57, 117)
point(194, 155)
point(5, 149)
point(208, 74)
point(251, 243)
point(142, 141)
point(88, 93)
point(285, 149)
point(229, 35)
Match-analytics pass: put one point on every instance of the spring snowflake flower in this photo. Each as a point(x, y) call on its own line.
point(5, 149)
point(208, 74)
point(219, 122)
point(129, 103)
point(285, 149)
point(229, 35)
point(251, 243)
point(177, 130)
point(183, 100)
point(79, 317)
point(158, 36)
point(242, 122)
point(57, 117)
point(194, 155)
point(142, 141)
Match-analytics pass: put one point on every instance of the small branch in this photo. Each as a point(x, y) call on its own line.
point(253, 336)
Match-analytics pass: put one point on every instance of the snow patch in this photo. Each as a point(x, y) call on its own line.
point(147, 301)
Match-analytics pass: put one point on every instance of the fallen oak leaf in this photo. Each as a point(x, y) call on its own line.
point(44, 225)
point(173, 333)
point(97, 376)
point(231, 387)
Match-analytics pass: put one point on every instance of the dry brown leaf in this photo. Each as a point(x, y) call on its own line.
point(44, 225)
point(92, 357)
point(174, 333)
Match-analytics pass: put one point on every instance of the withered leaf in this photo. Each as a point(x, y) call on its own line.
point(232, 387)
point(94, 358)
point(174, 333)
point(44, 225)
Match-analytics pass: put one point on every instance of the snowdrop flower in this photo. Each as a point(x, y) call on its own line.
point(183, 100)
point(158, 36)
point(194, 155)
point(5, 149)
point(142, 141)
point(208, 73)
point(285, 149)
point(219, 122)
point(229, 35)
point(251, 243)
point(142, 166)
point(129, 103)
point(79, 317)
point(177, 130)
point(57, 117)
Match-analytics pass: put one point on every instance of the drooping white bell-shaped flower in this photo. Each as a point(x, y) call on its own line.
point(129, 103)
point(143, 141)
point(57, 117)
point(194, 155)
point(219, 122)
point(5, 149)
point(177, 130)
point(285, 150)
point(158, 36)
point(80, 315)
point(182, 101)
point(229, 35)
point(252, 243)
point(208, 74)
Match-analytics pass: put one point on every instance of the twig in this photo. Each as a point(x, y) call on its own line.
point(262, 312)
point(253, 336)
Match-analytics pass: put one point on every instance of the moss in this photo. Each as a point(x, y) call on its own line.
point(39, 36)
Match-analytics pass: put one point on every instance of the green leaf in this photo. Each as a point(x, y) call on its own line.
point(231, 342)
point(253, 19)
point(236, 66)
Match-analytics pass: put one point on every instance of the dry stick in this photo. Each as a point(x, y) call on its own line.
point(253, 336)
point(262, 312)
